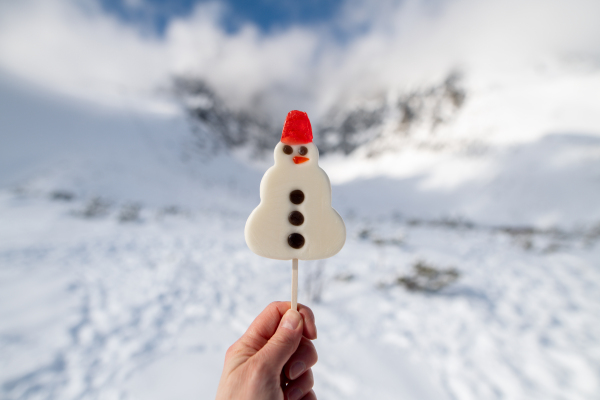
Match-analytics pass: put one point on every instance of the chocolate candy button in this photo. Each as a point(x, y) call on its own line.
point(296, 218)
point(296, 240)
point(296, 196)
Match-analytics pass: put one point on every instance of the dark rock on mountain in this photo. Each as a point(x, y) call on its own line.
point(342, 129)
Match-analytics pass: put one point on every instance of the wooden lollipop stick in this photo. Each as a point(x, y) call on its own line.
point(295, 284)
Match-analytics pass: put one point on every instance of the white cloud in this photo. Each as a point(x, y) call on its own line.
point(245, 67)
point(74, 47)
point(412, 42)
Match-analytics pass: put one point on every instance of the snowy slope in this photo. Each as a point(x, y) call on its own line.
point(124, 273)
point(54, 143)
point(521, 150)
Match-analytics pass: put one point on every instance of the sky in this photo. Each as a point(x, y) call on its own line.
point(270, 56)
point(267, 15)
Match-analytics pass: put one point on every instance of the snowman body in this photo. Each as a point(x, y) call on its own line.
point(294, 218)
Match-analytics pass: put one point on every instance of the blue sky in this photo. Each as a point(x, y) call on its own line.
point(268, 15)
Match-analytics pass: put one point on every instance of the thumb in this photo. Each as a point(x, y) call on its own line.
point(283, 343)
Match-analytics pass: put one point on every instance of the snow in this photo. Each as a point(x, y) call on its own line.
point(103, 300)
point(549, 182)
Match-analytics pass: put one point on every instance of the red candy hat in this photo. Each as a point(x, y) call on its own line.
point(297, 129)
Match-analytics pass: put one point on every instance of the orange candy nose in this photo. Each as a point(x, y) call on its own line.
point(300, 160)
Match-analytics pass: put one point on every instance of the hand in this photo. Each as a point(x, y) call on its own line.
point(272, 360)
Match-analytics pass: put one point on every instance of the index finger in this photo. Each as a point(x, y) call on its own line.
point(265, 325)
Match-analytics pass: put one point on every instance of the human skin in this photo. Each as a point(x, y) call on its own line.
point(273, 359)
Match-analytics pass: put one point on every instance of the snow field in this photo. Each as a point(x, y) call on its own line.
point(94, 308)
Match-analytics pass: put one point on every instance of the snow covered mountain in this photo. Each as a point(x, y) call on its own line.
point(343, 129)
point(368, 122)
point(509, 150)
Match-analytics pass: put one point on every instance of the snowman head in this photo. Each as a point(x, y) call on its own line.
point(296, 148)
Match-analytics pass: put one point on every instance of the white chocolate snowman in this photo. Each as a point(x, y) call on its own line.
point(294, 218)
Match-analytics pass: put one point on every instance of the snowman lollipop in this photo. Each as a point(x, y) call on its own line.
point(295, 220)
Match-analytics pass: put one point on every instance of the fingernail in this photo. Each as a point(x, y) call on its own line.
point(297, 369)
point(295, 394)
point(291, 320)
